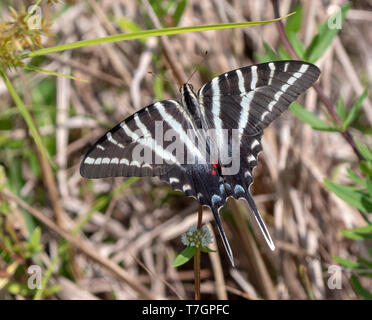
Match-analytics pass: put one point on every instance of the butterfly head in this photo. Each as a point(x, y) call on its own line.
point(186, 87)
point(189, 98)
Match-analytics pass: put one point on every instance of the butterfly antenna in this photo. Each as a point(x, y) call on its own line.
point(198, 66)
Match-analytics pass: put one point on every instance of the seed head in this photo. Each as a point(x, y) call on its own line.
point(198, 238)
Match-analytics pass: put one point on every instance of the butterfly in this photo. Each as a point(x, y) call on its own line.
point(206, 143)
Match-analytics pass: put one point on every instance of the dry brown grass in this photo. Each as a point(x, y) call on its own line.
point(126, 249)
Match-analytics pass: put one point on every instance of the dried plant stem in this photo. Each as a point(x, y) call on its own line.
point(200, 216)
point(51, 185)
point(306, 282)
point(326, 101)
point(197, 257)
point(94, 72)
point(167, 47)
point(197, 273)
point(254, 255)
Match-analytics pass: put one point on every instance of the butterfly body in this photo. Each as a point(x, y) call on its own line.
point(191, 102)
point(218, 132)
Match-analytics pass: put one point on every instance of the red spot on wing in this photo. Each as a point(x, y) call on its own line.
point(217, 166)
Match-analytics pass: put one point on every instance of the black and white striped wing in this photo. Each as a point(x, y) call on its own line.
point(249, 99)
point(132, 148)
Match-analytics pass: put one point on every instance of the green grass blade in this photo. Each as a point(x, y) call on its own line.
point(309, 118)
point(179, 11)
point(355, 110)
point(128, 25)
point(365, 151)
point(283, 54)
point(270, 52)
point(324, 37)
point(359, 289)
point(27, 117)
point(347, 263)
point(145, 34)
point(297, 44)
point(359, 233)
point(294, 22)
point(340, 108)
point(354, 236)
point(351, 196)
point(52, 73)
point(369, 186)
point(363, 230)
point(366, 167)
point(353, 176)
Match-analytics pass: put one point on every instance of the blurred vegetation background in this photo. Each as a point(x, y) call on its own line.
point(117, 238)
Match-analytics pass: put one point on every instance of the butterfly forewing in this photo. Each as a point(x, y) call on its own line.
point(133, 148)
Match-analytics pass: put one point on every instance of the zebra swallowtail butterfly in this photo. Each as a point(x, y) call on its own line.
point(246, 99)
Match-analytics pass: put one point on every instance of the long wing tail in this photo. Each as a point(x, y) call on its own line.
point(223, 235)
point(260, 221)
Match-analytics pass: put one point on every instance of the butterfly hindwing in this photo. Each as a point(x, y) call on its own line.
point(202, 182)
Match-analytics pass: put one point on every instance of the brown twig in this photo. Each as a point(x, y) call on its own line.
point(200, 216)
point(167, 47)
point(218, 274)
point(306, 282)
point(92, 71)
point(259, 268)
point(326, 101)
point(52, 188)
point(197, 257)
